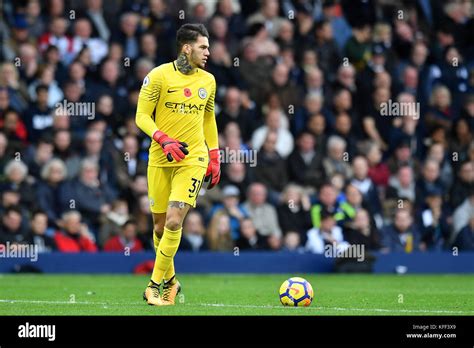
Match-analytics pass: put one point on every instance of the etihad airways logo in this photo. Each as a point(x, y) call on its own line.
point(184, 108)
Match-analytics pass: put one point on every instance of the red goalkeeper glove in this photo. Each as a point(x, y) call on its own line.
point(213, 174)
point(172, 148)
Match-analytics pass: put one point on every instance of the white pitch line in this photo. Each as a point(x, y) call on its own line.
point(340, 309)
point(222, 305)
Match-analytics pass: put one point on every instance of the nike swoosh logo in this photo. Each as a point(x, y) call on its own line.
point(295, 289)
point(172, 90)
point(164, 254)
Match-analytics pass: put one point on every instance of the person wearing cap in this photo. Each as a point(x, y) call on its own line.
point(19, 36)
point(230, 205)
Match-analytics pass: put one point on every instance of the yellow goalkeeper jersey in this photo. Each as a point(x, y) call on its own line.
point(182, 106)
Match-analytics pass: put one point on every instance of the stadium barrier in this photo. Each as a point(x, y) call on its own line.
point(245, 262)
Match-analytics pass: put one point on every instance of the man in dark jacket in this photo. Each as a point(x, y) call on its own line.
point(401, 236)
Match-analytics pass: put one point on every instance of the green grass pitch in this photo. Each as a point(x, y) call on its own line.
point(225, 294)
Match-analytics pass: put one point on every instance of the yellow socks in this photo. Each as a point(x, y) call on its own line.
point(165, 249)
point(170, 271)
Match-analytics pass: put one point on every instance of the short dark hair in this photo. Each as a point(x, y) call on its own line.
point(38, 212)
point(189, 33)
point(129, 222)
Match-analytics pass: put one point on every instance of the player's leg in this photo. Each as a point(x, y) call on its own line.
point(168, 246)
point(159, 220)
point(186, 184)
point(159, 188)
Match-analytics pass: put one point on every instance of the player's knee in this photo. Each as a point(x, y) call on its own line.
point(173, 224)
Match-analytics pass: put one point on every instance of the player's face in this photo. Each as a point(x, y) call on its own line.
point(199, 52)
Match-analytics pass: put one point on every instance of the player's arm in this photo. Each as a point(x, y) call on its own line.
point(146, 113)
point(213, 173)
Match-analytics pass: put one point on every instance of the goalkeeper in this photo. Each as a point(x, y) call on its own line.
point(176, 109)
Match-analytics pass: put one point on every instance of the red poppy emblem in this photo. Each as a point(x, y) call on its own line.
point(187, 92)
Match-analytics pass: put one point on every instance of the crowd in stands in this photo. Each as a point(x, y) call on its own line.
point(304, 86)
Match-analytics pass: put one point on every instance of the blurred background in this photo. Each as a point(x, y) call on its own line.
point(310, 158)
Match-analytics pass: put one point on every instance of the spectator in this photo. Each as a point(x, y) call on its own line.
point(284, 145)
point(12, 228)
point(249, 238)
point(113, 221)
point(234, 112)
point(328, 202)
point(402, 235)
point(440, 112)
point(378, 170)
point(263, 215)
point(343, 128)
point(126, 241)
point(37, 156)
point(328, 234)
point(357, 48)
point(304, 163)
point(231, 207)
point(4, 152)
point(219, 233)
point(87, 194)
point(438, 153)
point(74, 236)
point(465, 238)
point(293, 211)
point(95, 149)
point(317, 126)
point(101, 23)
point(53, 176)
point(236, 173)
point(366, 186)
point(462, 214)
point(64, 150)
point(83, 37)
point(16, 176)
point(326, 48)
point(268, 15)
point(462, 135)
point(40, 234)
point(401, 157)
point(41, 116)
point(14, 128)
point(271, 170)
point(428, 181)
point(255, 70)
point(193, 233)
point(337, 158)
point(56, 36)
point(292, 242)
point(141, 213)
point(435, 231)
point(45, 77)
point(281, 85)
point(463, 184)
point(362, 232)
point(127, 162)
point(402, 185)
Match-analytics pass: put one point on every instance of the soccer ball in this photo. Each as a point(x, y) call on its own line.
point(296, 292)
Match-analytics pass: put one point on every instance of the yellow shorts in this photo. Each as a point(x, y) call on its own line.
point(180, 184)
